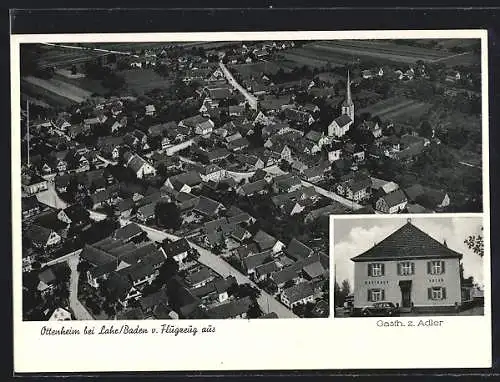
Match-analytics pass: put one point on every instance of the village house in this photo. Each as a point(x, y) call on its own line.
point(139, 166)
point(30, 206)
point(230, 310)
point(178, 249)
point(286, 183)
point(41, 237)
point(301, 293)
point(356, 189)
point(392, 203)
point(387, 271)
point(33, 184)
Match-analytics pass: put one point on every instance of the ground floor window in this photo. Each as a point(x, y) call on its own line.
point(437, 293)
point(375, 295)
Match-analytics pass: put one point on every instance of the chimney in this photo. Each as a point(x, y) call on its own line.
point(445, 244)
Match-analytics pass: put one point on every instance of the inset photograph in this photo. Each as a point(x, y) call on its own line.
point(408, 266)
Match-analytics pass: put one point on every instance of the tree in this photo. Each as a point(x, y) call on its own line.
point(168, 215)
point(337, 294)
point(426, 129)
point(254, 311)
point(244, 290)
point(476, 243)
point(168, 269)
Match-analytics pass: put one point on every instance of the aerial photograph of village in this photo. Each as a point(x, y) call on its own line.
point(195, 180)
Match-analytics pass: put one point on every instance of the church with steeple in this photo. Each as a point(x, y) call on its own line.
point(340, 125)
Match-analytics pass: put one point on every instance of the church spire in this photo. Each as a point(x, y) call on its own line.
point(348, 90)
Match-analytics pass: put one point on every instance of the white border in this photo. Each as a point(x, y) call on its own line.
point(242, 344)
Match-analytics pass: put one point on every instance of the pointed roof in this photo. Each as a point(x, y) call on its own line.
point(348, 100)
point(408, 242)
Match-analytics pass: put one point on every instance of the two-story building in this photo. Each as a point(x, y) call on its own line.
point(410, 269)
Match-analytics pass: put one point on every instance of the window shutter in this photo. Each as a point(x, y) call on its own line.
point(429, 293)
point(442, 267)
point(444, 293)
point(383, 294)
point(369, 295)
point(429, 267)
point(369, 269)
point(399, 269)
point(383, 269)
point(412, 268)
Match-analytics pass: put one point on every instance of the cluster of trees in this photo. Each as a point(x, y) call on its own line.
point(341, 292)
point(167, 215)
point(109, 79)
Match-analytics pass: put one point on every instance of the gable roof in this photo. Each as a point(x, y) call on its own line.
point(253, 261)
point(298, 292)
point(343, 120)
point(230, 309)
point(128, 231)
point(207, 206)
point(176, 247)
point(395, 198)
point(314, 270)
point(298, 250)
point(264, 240)
point(408, 242)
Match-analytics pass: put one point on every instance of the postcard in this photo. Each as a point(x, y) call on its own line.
point(225, 201)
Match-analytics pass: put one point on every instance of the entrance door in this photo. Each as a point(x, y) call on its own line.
point(405, 297)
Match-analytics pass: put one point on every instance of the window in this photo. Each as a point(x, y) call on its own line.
point(437, 293)
point(435, 267)
point(375, 295)
point(406, 268)
point(376, 270)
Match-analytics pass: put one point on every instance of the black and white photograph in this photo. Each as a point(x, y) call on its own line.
point(412, 266)
point(186, 186)
point(195, 180)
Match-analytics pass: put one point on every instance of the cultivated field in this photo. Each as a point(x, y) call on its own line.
point(85, 83)
point(397, 108)
point(341, 52)
point(60, 88)
point(63, 57)
point(39, 93)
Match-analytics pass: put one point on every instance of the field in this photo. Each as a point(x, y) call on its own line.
point(248, 70)
point(88, 84)
point(60, 88)
point(63, 57)
point(299, 58)
point(397, 108)
point(340, 52)
point(39, 93)
point(141, 81)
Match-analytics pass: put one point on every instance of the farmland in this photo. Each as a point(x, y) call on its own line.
point(396, 108)
point(341, 52)
point(60, 88)
point(39, 93)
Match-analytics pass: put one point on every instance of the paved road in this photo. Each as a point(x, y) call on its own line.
point(333, 196)
point(275, 170)
point(78, 309)
point(267, 302)
point(252, 100)
point(50, 197)
point(61, 259)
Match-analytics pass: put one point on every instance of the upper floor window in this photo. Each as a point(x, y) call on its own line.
point(406, 268)
point(435, 267)
point(376, 269)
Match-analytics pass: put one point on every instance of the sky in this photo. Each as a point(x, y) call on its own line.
point(354, 236)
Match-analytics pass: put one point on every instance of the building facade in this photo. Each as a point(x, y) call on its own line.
point(410, 269)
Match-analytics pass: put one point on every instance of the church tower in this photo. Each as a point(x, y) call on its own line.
point(348, 105)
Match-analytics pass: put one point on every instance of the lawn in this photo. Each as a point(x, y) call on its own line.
point(141, 81)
